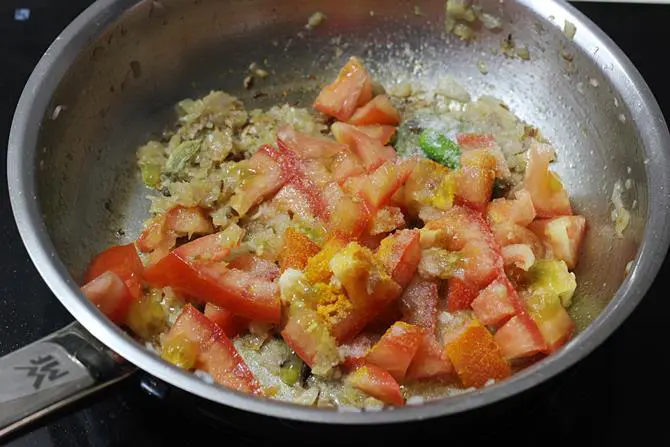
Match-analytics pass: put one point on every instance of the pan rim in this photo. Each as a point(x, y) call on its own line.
point(22, 184)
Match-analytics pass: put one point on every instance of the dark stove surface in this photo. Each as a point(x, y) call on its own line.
point(616, 394)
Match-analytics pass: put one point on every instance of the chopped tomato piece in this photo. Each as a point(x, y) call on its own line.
point(460, 294)
point(493, 304)
point(386, 220)
point(188, 221)
point(400, 253)
point(154, 235)
point(240, 292)
point(418, 304)
point(293, 173)
point(520, 256)
point(423, 186)
point(257, 266)
point(366, 94)
point(309, 338)
point(341, 98)
point(265, 179)
point(472, 141)
point(551, 318)
point(519, 210)
point(316, 171)
point(376, 382)
point(474, 183)
point(395, 350)
point(297, 250)
point(354, 185)
point(378, 111)
point(519, 337)
point(381, 184)
point(349, 219)
point(385, 318)
point(382, 133)
point(211, 248)
point(122, 260)
point(332, 194)
point(290, 199)
point(193, 326)
point(215, 352)
point(429, 362)
point(451, 325)
point(231, 324)
point(369, 150)
point(220, 359)
point(477, 358)
point(346, 165)
point(465, 231)
point(563, 235)
point(308, 146)
point(371, 241)
point(513, 234)
point(109, 294)
point(545, 188)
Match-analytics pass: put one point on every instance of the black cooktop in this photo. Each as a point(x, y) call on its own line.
point(616, 394)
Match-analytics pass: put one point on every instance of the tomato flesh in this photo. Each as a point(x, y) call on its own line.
point(240, 292)
point(493, 305)
point(563, 234)
point(545, 188)
point(395, 350)
point(380, 132)
point(216, 354)
point(378, 111)
point(341, 98)
point(376, 382)
point(400, 253)
point(231, 324)
point(519, 337)
point(110, 294)
point(369, 151)
point(122, 260)
point(308, 146)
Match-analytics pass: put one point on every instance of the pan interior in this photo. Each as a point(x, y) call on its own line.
point(121, 90)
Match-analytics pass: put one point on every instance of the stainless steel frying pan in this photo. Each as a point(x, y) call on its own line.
point(109, 82)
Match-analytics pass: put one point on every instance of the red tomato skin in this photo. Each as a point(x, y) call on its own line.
point(369, 151)
point(519, 337)
point(460, 294)
point(380, 132)
point(378, 111)
point(216, 353)
point(308, 146)
point(202, 282)
point(493, 304)
point(109, 294)
point(429, 362)
point(351, 89)
point(293, 174)
point(231, 324)
point(376, 382)
point(395, 350)
point(122, 260)
point(400, 253)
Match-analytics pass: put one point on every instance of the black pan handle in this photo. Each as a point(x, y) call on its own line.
point(53, 372)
